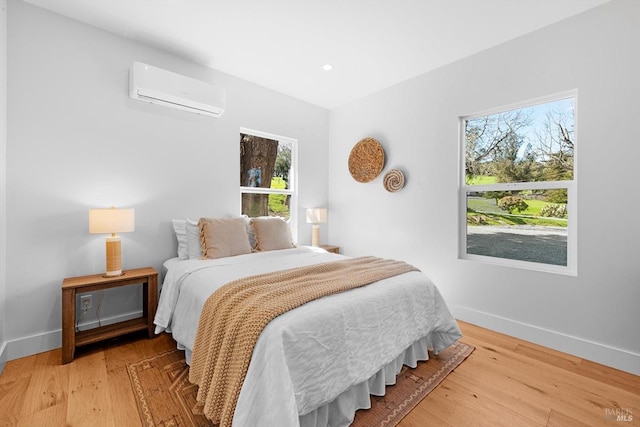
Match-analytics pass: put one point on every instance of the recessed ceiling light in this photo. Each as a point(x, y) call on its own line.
point(327, 67)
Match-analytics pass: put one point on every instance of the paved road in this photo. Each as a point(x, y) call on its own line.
point(521, 242)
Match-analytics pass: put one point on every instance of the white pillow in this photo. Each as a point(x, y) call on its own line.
point(180, 228)
point(193, 239)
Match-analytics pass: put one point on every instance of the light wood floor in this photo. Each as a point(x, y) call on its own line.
point(505, 382)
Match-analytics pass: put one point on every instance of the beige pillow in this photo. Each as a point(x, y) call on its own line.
point(222, 237)
point(271, 234)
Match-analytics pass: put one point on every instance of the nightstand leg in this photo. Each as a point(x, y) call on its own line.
point(151, 303)
point(68, 324)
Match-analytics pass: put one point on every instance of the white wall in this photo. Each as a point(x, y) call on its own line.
point(77, 141)
point(3, 174)
point(594, 315)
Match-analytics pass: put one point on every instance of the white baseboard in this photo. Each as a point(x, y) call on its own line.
point(3, 356)
point(600, 353)
point(46, 341)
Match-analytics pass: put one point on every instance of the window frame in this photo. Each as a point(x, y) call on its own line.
point(570, 185)
point(292, 191)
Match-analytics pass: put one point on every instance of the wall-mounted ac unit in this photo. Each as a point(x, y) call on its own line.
point(152, 84)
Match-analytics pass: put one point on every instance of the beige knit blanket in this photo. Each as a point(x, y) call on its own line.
point(234, 316)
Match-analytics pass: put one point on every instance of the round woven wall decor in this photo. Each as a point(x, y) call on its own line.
point(366, 160)
point(393, 180)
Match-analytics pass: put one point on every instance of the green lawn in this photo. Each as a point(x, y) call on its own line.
point(278, 202)
point(485, 211)
point(481, 180)
point(534, 206)
point(483, 205)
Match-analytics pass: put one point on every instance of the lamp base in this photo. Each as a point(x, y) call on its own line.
point(315, 235)
point(114, 258)
point(106, 276)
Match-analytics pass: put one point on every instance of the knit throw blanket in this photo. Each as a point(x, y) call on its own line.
point(234, 316)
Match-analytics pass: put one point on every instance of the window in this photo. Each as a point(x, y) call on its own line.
point(267, 176)
point(518, 192)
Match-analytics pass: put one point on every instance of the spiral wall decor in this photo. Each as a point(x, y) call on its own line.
point(393, 180)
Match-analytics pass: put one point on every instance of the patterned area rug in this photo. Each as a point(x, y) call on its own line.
point(165, 396)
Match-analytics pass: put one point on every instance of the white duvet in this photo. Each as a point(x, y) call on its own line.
point(306, 358)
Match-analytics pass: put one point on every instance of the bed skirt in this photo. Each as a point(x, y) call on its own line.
point(341, 411)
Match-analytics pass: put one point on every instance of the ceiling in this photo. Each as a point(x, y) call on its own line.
point(283, 44)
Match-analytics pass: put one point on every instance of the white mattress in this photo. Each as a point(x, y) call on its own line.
point(324, 356)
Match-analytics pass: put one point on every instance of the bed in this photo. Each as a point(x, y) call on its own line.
point(318, 363)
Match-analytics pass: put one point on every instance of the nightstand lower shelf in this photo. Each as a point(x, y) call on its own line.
point(94, 335)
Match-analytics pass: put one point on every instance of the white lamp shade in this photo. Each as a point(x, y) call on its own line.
point(105, 221)
point(316, 216)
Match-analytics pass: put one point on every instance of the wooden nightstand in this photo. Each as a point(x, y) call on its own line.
point(331, 248)
point(71, 339)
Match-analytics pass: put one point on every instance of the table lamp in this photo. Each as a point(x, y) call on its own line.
point(316, 216)
point(112, 221)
